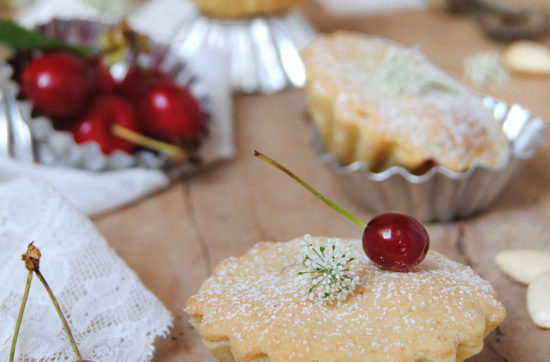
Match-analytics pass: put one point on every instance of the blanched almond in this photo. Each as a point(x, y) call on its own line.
point(523, 265)
point(528, 57)
point(538, 300)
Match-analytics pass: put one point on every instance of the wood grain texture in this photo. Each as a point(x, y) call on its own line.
point(173, 238)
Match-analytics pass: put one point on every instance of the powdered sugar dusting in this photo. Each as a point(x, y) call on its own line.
point(256, 302)
point(399, 95)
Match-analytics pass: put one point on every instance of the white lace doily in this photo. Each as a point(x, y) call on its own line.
point(112, 315)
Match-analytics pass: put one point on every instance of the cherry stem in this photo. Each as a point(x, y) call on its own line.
point(20, 316)
point(60, 313)
point(350, 216)
point(176, 152)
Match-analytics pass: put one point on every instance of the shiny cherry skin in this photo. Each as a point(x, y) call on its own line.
point(57, 84)
point(395, 241)
point(96, 124)
point(137, 80)
point(103, 80)
point(170, 113)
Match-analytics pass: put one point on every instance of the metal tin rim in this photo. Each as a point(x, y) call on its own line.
point(490, 102)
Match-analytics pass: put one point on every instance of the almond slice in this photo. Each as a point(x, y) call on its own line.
point(538, 300)
point(523, 265)
point(528, 57)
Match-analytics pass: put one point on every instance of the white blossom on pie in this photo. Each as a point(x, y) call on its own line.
point(329, 275)
point(402, 73)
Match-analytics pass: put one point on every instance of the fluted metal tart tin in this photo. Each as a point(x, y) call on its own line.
point(262, 53)
point(58, 148)
point(442, 194)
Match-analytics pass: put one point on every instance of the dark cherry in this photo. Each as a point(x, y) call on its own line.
point(395, 241)
point(170, 113)
point(137, 81)
point(57, 84)
point(96, 124)
point(103, 80)
point(392, 240)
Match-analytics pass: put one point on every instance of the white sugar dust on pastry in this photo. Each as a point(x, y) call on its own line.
point(384, 104)
point(254, 309)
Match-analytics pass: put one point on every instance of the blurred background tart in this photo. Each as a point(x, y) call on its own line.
point(235, 9)
point(377, 102)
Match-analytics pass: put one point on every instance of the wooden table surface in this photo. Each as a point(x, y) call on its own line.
point(174, 238)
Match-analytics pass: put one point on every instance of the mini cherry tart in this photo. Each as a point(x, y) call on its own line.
point(57, 84)
point(395, 241)
point(170, 113)
point(96, 125)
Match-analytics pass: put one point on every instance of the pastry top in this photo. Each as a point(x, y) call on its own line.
point(244, 8)
point(403, 108)
point(441, 310)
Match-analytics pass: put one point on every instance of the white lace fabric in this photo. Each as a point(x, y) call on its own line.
point(113, 316)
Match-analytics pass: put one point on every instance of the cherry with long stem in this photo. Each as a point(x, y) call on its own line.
point(392, 240)
point(347, 214)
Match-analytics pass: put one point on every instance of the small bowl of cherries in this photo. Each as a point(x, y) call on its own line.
point(103, 97)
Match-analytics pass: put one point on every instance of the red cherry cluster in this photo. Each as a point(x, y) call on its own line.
point(80, 95)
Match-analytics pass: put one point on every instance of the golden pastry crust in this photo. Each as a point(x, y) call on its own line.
point(244, 8)
point(380, 103)
point(253, 309)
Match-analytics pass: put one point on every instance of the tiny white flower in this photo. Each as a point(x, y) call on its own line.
point(402, 74)
point(329, 276)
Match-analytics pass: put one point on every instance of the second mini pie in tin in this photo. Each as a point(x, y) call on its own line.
point(404, 134)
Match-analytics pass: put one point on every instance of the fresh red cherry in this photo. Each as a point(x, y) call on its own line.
point(169, 112)
point(395, 241)
point(57, 84)
point(392, 240)
point(104, 82)
point(137, 80)
point(97, 123)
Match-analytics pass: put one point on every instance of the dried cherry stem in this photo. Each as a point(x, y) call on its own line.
point(347, 214)
point(175, 152)
point(20, 316)
point(32, 263)
point(60, 313)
